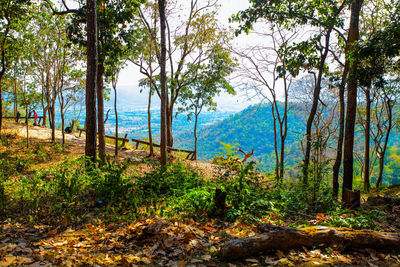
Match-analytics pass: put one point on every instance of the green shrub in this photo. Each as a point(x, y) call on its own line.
point(172, 180)
point(197, 202)
point(108, 182)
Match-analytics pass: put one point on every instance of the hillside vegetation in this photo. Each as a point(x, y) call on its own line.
point(53, 211)
point(248, 129)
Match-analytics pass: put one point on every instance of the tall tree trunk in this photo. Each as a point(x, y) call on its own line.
point(282, 160)
point(2, 72)
point(45, 110)
point(351, 100)
point(283, 133)
point(15, 97)
point(275, 143)
point(339, 149)
point(164, 92)
point(3, 60)
point(116, 121)
point(382, 156)
point(27, 127)
point(50, 114)
point(91, 76)
point(100, 111)
point(149, 123)
point(195, 134)
point(53, 121)
point(367, 136)
point(1, 104)
point(317, 90)
point(63, 126)
point(170, 116)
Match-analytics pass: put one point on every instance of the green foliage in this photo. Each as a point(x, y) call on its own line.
point(163, 182)
point(70, 190)
point(197, 202)
point(252, 127)
point(360, 220)
point(109, 184)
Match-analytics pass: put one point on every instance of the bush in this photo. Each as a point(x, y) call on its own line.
point(197, 202)
point(109, 184)
point(163, 182)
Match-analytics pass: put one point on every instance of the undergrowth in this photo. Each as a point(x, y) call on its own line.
point(72, 194)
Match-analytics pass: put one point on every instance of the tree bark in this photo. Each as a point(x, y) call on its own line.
point(382, 156)
point(367, 136)
point(285, 238)
point(116, 120)
point(351, 99)
point(163, 76)
point(2, 72)
point(27, 127)
point(339, 149)
point(100, 111)
point(149, 123)
point(195, 134)
point(53, 120)
point(91, 75)
point(170, 116)
point(3, 59)
point(275, 142)
point(283, 133)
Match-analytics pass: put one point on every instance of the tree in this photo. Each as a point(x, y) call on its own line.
point(13, 13)
point(91, 78)
point(189, 39)
point(116, 32)
point(384, 124)
point(112, 74)
point(348, 159)
point(54, 62)
point(310, 55)
point(146, 83)
point(261, 66)
point(163, 85)
point(376, 69)
point(200, 94)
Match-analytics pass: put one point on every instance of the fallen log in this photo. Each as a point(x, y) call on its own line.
point(283, 238)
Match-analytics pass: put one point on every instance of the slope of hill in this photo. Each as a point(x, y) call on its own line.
point(252, 127)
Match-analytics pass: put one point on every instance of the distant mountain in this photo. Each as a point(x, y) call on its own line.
point(252, 127)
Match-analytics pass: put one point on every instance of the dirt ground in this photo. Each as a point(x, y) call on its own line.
point(75, 145)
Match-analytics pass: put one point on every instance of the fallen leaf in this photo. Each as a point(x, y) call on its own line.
point(207, 228)
point(280, 254)
point(268, 260)
point(8, 261)
point(195, 260)
point(252, 260)
point(52, 232)
point(206, 257)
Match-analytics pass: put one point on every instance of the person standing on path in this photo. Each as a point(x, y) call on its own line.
point(35, 116)
point(18, 116)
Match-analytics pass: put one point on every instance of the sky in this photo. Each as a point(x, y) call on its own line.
point(130, 75)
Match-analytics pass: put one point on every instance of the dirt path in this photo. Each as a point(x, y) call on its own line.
point(76, 145)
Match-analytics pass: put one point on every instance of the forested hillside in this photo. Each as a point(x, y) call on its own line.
point(253, 128)
point(248, 129)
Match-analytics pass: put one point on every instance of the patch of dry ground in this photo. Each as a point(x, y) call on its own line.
point(159, 242)
point(75, 147)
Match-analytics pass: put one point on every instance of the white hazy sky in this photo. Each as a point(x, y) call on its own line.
point(130, 75)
